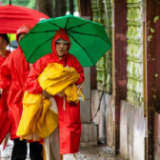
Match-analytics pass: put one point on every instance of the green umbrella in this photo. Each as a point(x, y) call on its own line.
point(89, 39)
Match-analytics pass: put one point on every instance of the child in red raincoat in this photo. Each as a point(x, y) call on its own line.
point(68, 112)
point(13, 74)
point(4, 41)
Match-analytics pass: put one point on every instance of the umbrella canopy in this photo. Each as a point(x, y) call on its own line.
point(12, 17)
point(89, 39)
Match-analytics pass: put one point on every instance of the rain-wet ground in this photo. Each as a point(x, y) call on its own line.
point(98, 152)
point(94, 152)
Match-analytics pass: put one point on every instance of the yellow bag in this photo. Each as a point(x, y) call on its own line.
point(37, 119)
point(55, 78)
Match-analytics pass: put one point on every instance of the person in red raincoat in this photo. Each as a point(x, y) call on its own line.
point(13, 74)
point(4, 41)
point(69, 115)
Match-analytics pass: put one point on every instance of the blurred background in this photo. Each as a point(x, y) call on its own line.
point(52, 8)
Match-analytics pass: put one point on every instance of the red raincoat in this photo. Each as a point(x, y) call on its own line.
point(69, 119)
point(3, 58)
point(4, 107)
point(13, 74)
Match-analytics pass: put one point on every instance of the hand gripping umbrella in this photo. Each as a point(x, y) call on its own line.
point(89, 39)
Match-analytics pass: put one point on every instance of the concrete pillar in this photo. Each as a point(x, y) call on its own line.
point(85, 105)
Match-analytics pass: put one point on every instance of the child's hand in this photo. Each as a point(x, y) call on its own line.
point(1, 90)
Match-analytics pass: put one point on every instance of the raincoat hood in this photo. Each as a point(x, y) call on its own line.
point(25, 28)
point(61, 33)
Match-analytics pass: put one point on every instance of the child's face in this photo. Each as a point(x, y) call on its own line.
point(21, 36)
point(3, 43)
point(61, 48)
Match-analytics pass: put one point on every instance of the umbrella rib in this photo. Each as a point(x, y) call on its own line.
point(81, 47)
point(39, 47)
point(86, 34)
point(45, 31)
point(66, 23)
point(55, 24)
point(78, 25)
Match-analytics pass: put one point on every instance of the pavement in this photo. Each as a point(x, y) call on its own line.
point(97, 152)
point(92, 152)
